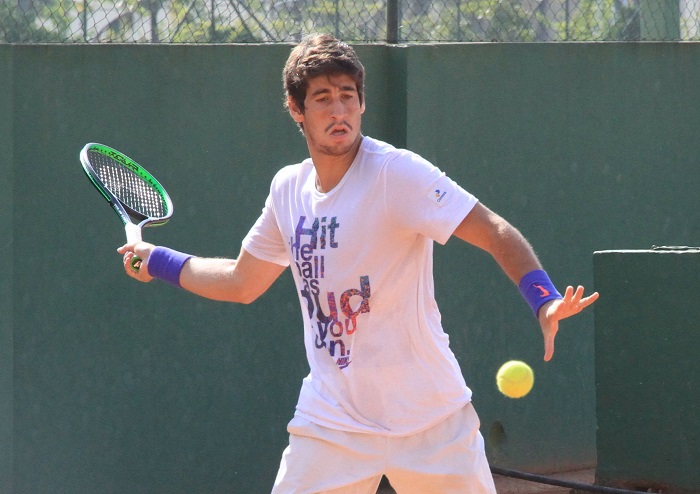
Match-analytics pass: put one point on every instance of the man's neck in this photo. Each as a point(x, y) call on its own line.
point(330, 170)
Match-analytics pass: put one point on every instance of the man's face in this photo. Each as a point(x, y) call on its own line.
point(332, 115)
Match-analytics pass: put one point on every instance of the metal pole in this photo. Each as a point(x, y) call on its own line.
point(392, 21)
point(212, 27)
point(459, 20)
point(336, 21)
point(84, 20)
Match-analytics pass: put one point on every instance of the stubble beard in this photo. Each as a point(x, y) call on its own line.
point(336, 150)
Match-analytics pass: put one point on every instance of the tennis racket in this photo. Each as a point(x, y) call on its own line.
point(135, 195)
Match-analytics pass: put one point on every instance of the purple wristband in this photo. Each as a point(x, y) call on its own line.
point(166, 264)
point(537, 289)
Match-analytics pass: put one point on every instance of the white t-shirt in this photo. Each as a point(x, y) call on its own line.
point(361, 256)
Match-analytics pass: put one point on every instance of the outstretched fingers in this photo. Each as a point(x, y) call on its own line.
point(572, 303)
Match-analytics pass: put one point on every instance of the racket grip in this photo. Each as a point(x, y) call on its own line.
point(133, 234)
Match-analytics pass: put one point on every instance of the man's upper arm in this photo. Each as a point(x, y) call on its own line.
point(477, 227)
point(255, 275)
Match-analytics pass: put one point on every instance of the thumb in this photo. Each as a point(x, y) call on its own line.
point(128, 247)
point(550, 332)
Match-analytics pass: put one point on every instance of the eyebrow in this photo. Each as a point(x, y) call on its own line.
point(324, 90)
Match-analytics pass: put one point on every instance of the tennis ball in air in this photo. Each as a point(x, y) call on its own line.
point(515, 379)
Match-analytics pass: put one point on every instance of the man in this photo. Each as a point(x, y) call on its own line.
point(356, 222)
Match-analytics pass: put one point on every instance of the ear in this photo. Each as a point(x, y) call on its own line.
point(294, 110)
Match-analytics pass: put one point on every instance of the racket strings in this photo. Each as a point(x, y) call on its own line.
point(128, 187)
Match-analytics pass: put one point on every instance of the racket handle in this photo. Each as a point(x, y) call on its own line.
point(133, 234)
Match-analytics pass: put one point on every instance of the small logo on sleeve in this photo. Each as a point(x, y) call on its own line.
point(439, 196)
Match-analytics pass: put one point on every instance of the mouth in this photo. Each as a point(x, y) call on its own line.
point(336, 130)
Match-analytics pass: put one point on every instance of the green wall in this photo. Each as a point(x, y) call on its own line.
point(127, 388)
point(6, 196)
point(583, 147)
point(121, 387)
point(647, 369)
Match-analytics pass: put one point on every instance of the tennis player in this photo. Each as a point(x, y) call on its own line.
point(356, 223)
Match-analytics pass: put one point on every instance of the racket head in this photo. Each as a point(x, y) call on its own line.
point(135, 194)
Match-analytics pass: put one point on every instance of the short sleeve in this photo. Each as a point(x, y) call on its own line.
point(419, 196)
point(264, 239)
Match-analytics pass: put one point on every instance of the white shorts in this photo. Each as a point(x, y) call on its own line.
point(448, 458)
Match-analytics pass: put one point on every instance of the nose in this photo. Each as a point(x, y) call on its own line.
point(338, 108)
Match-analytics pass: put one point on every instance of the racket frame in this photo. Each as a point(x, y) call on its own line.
point(132, 220)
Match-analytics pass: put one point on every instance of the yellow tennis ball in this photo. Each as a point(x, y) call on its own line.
point(515, 379)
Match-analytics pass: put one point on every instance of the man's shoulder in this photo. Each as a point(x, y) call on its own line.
point(377, 147)
point(388, 155)
point(383, 154)
point(291, 173)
